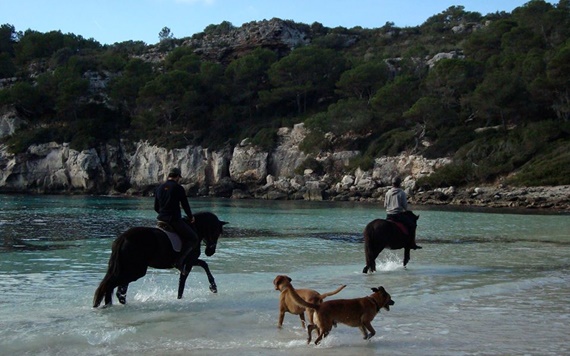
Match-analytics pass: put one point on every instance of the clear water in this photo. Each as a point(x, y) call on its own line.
point(484, 283)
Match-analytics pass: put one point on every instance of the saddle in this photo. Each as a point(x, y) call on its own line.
point(406, 222)
point(403, 228)
point(171, 234)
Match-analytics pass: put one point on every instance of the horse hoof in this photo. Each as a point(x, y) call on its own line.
point(122, 298)
point(213, 288)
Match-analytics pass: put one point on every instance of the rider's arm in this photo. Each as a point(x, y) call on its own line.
point(403, 200)
point(184, 203)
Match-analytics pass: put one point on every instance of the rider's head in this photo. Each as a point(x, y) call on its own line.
point(174, 173)
point(396, 182)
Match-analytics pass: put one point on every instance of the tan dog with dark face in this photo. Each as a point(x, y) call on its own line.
point(357, 312)
point(289, 299)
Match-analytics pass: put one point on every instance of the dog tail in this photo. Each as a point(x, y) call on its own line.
point(300, 301)
point(324, 295)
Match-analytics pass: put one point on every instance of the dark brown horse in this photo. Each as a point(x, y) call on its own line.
point(141, 247)
point(380, 234)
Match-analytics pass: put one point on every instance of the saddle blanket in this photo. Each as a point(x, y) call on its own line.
point(401, 226)
point(174, 239)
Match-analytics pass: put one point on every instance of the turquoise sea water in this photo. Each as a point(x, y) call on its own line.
point(486, 282)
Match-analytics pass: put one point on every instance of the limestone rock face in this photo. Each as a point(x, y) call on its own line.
point(278, 35)
point(243, 171)
point(405, 165)
point(287, 156)
point(149, 165)
point(9, 122)
point(56, 168)
point(248, 164)
point(52, 167)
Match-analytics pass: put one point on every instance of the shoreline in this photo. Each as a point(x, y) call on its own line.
point(536, 199)
point(490, 199)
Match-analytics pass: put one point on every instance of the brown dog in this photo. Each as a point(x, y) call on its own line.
point(357, 312)
point(295, 301)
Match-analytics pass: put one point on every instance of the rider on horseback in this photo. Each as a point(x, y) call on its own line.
point(168, 198)
point(396, 204)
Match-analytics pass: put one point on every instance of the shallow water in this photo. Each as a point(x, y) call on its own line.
point(484, 283)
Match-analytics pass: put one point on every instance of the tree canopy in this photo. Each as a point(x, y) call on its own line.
point(462, 84)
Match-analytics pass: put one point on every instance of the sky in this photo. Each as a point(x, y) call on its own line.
point(111, 21)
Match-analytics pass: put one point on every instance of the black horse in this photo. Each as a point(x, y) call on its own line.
point(380, 234)
point(141, 247)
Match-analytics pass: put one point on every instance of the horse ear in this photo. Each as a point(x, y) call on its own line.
point(224, 222)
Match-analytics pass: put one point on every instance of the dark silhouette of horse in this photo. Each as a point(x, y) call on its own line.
point(380, 234)
point(141, 247)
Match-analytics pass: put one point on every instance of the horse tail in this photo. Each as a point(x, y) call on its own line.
point(113, 270)
point(369, 250)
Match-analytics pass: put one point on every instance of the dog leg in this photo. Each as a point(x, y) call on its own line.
point(310, 328)
point(281, 317)
point(302, 317)
point(322, 335)
point(368, 326)
point(363, 331)
point(310, 312)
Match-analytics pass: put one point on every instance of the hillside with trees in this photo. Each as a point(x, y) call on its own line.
point(491, 91)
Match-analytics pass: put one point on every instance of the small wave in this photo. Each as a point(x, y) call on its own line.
point(106, 336)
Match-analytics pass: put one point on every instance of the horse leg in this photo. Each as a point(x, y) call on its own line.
point(122, 293)
point(371, 264)
point(406, 256)
point(204, 265)
point(182, 280)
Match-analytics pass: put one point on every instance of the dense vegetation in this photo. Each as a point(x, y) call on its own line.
point(500, 105)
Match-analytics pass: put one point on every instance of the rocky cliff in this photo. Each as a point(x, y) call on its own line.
point(245, 171)
point(56, 168)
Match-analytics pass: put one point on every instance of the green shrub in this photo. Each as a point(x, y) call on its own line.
point(314, 142)
point(550, 168)
point(453, 174)
point(20, 142)
point(363, 162)
point(265, 138)
point(392, 143)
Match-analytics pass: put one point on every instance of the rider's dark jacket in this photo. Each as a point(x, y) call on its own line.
point(167, 200)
